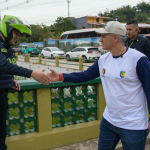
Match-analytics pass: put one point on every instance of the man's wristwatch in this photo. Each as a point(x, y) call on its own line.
point(60, 77)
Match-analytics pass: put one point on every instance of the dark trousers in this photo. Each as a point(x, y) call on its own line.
point(3, 116)
point(130, 139)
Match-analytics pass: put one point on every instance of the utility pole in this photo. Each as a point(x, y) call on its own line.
point(68, 1)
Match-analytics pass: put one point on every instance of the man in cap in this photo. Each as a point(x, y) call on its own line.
point(11, 28)
point(136, 41)
point(125, 74)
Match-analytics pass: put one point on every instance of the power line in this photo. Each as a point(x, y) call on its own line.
point(12, 7)
point(95, 9)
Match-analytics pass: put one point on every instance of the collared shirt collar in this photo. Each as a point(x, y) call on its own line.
point(136, 39)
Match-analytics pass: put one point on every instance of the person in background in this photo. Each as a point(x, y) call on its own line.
point(136, 41)
point(11, 28)
point(125, 77)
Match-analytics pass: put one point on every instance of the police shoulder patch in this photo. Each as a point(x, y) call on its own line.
point(4, 50)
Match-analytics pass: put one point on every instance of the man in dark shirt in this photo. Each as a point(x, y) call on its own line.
point(136, 41)
point(11, 28)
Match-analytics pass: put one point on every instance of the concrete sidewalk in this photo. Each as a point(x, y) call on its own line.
point(92, 145)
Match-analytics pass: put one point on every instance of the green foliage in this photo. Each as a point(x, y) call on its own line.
point(67, 92)
point(140, 12)
point(12, 97)
point(55, 106)
point(28, 111)
point(79, 103)
point(54, 92)
point(67, 119)
point(90, 102)
point(79, 116)
point(13, 113)
point(63, 24)
point(28, 96)
point(14, 128)
point(29, 125)
point(143, 7)
point(78, 90)
point(67, 105)
point(55, 120)
point(39, 32)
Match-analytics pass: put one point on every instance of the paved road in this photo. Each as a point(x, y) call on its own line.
point(92, 145)
point(88, 145)
point(74, 64)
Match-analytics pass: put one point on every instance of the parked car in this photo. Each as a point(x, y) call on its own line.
point(85, 52)
point(30, 50)
point(52, 52)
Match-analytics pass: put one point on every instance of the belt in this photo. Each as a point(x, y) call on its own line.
point(3, 90)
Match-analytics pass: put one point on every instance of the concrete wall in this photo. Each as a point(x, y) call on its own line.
point(81, 22)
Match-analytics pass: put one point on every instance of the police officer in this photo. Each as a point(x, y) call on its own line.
point(136, 41)
point(11, 28)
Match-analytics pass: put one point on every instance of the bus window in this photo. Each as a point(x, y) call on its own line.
point(83, 33)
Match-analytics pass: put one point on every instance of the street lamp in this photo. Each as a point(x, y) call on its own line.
point(68, 1)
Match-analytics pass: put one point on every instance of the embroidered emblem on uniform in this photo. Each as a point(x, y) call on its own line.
point(104, 71)
point(4, 50)
point(122, 74)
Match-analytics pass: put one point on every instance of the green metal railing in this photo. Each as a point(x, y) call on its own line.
point(71, 103)
point(21, 116)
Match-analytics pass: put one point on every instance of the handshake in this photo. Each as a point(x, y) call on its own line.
point(46, 79)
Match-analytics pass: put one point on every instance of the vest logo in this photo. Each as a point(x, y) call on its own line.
point(12, 60)
point(104, 71)
point(122, 74)
point(4, 50)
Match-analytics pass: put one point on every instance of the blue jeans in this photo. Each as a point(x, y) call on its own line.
point(3, 116)
point(130, 139)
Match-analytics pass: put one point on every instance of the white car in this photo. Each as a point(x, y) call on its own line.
point(85, 52)
point(52, 52)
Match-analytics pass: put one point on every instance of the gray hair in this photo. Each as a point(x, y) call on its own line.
point(121, 38)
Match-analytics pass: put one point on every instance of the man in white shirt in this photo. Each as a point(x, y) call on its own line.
point(125, 76)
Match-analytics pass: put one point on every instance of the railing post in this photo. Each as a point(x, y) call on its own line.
point(57, 61)
point(101, 103)
point(24, 57)
point(40, 59)
point(44, 112)
point(16, 56)
point(80, 63)
point(28, 58)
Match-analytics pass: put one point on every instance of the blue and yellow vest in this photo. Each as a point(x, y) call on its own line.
point(7, 80)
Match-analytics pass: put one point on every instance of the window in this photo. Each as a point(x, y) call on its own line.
point(92, 49)
point(81, 49)
point(75, 50)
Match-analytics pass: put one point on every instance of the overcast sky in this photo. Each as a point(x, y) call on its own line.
point(47, 11)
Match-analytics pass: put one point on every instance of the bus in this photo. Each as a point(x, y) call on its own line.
point(83, 33)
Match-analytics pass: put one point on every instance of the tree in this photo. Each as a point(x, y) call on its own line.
point(39, 32)
point(63, 24)
point(125, 13)
point(143, 7)
point(141, 18)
